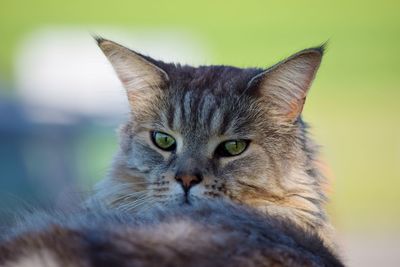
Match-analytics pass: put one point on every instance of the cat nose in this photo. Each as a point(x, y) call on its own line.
point(188, 180)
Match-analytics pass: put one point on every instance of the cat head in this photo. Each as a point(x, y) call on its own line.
point(215, 132)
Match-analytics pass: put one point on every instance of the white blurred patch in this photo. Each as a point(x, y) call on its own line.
point(39, 258)
point(61, 71)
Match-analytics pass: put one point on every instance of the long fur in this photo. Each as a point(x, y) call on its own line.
point(209, 233)
point(203, 106)
point(264, 207)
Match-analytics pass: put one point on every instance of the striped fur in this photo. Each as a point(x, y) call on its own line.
point(204, 106)
point(209, 233)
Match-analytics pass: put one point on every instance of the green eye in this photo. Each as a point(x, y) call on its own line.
point(163, 141)
point(232, 148)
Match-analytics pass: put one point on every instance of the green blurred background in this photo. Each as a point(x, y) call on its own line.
point(353, 106)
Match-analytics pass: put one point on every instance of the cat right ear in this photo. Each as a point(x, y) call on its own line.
point(138, 75)
point(285, 85)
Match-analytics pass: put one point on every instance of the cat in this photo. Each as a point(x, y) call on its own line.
point(217, 132)
point(207, 233)
point(215, 168)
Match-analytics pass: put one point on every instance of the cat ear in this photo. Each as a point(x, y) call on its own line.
point(285, 85)
point(138, 75)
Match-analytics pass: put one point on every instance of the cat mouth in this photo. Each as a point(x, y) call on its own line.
point(186, 199)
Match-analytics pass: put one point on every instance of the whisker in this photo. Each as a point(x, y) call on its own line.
point(150, 205)
point(128, 184)
point(130, 205)
point(130, 195)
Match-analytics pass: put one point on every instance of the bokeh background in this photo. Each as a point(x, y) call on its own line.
point(60, 101)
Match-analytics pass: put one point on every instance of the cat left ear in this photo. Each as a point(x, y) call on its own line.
point(285, 85)
point(138, 75)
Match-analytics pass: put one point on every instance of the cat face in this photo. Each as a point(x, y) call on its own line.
point(214, 132)
point(197, 143)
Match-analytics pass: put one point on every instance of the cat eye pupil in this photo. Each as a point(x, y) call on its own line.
point(163, 141)
point(232, 148)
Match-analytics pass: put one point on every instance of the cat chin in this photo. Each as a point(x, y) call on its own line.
point(186, 201)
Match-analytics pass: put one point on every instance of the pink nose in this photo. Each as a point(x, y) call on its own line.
point(187, 181)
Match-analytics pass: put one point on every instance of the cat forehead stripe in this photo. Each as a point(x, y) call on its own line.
point(196, 110)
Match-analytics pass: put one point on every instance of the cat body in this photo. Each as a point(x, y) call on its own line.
point(215, 167)
point(209, 233)
point(199, 112)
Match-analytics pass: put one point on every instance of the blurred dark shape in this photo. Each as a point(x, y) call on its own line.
point(36, 159)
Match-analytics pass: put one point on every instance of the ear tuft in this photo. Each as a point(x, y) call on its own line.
point(321, 49)
point(98, 39)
